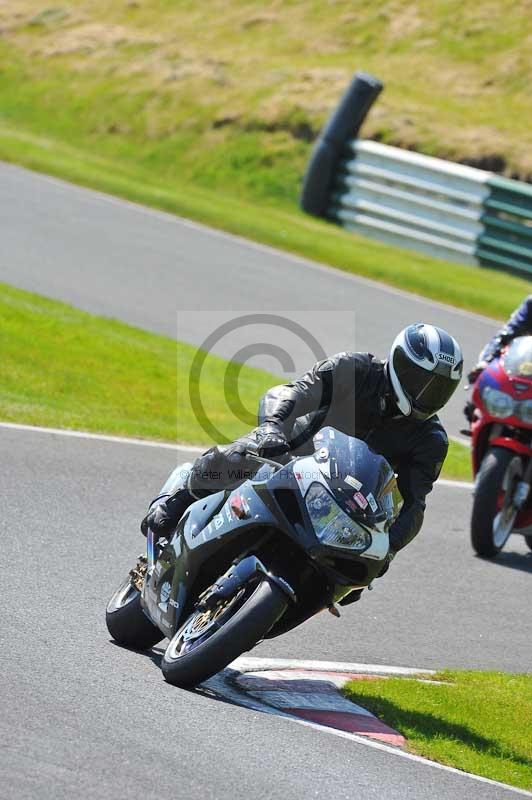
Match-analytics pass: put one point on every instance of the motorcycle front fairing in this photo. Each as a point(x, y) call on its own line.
point(488, 430)
point(212, 533)
point(224, 527)
point(269, 518)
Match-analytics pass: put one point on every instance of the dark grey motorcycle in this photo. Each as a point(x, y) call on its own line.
point(257, 561)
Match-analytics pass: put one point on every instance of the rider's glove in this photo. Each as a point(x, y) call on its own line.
point(270, 440)
point(164, 516)
point(475, 372)
point(157, 519)
point(469, 412)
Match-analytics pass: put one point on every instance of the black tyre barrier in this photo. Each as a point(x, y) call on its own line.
point(343, 125)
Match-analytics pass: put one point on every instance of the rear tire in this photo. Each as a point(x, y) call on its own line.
point(488, 536)
point(240, 632)
point(126, 621)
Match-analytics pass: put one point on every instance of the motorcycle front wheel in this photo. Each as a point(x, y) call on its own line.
point(493, 515)
point(209, 640)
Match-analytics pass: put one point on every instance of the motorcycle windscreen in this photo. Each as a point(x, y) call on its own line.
point(361, 481)
point(518, 358)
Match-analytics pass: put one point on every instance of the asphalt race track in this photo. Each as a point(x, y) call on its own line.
point(84, 717)
point(152, 269)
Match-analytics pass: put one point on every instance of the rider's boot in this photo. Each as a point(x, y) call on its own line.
point(166, 511)
point(352, 597)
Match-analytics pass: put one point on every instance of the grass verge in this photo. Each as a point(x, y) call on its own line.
point(479, 722)
point(458, 462)
point(62, 367)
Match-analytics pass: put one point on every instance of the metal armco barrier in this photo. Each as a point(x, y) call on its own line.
point(403, 198)
point(409, 200)
point(506, 240)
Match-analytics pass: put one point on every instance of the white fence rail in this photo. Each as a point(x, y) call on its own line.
point(411, 200)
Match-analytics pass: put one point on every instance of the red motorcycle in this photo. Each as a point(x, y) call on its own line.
point(501, 430)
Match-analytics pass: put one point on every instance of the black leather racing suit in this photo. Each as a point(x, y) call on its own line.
point(351, 392)
point(519, 324)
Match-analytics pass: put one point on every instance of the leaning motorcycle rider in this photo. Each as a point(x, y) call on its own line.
point(519, 324)
point(392, 405)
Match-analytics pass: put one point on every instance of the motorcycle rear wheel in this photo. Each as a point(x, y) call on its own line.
point(126, 621)
point(491, 526)
point(209, 641)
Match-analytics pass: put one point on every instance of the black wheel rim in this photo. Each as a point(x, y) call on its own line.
point(201, 626)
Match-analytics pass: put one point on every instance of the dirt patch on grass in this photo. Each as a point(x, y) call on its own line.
point(162, 67)
point(404, 23)
point(259, 19)
point(90, 38)
point(483, 147)
point(15, 15)
point(301, 104)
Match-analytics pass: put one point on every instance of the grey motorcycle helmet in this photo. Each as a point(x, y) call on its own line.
point(424, 367)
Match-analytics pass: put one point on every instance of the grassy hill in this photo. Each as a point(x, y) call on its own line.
point(209, 109)
point(235, 89)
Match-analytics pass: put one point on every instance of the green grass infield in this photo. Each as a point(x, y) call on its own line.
point(479, 722)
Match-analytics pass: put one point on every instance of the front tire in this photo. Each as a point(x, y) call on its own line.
point(126, 621)
point(493, 518)
point(195, 653)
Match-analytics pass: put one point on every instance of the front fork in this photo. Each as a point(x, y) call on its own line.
point(150, 549)
point(522, 490)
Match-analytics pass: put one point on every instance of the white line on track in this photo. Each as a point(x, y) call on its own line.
point(460, 440)
point(454, 484)
point(251, 664)
point(227, 687)
point(100, 437)
point(185, 448)
point(258, 246)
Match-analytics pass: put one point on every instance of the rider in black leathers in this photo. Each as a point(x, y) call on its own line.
point(519, 324)
point(354, 393)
